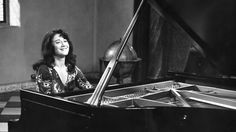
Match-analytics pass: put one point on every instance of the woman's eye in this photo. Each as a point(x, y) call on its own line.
point(65, 41)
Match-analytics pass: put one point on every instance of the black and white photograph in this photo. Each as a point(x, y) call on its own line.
point(117, 66)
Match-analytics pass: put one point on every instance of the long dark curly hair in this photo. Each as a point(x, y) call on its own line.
point(48, 51)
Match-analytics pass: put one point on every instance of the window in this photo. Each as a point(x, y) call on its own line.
point(9, 13)
point(2, 11)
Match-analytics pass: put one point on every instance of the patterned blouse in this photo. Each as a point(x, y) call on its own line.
point(49, 82)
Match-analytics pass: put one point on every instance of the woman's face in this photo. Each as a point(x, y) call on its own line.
point(61, 45)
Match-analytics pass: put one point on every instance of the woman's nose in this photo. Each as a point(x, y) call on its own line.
point(62, 43)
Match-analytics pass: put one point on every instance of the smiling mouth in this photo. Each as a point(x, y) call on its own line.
point(64, 49)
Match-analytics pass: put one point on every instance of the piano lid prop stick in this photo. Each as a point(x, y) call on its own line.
point(96, 97)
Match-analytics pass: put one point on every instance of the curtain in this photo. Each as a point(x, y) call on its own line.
point(169, 47)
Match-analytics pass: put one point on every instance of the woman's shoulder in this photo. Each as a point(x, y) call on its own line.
point(43, 68)
point(79, 72)
point(39, 64)
point(77, 69)
point(45, 72)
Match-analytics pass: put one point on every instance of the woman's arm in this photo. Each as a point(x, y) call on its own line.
point(81, 80)
point(44, 80)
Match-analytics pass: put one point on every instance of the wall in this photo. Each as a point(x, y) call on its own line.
point(114, 18)
point(92, 26)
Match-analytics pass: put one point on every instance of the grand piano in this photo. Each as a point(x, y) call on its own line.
point(178, 101)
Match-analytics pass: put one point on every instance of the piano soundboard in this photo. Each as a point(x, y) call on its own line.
point(167, 93)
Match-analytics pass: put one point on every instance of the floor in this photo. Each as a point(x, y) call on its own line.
point(10, 104)
point(10, 108)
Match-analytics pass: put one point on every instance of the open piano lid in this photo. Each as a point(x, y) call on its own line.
point(211, 24)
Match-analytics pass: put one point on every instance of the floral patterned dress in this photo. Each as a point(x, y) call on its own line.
point(49, 82)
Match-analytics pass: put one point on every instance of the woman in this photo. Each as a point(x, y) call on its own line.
point(57, 71)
